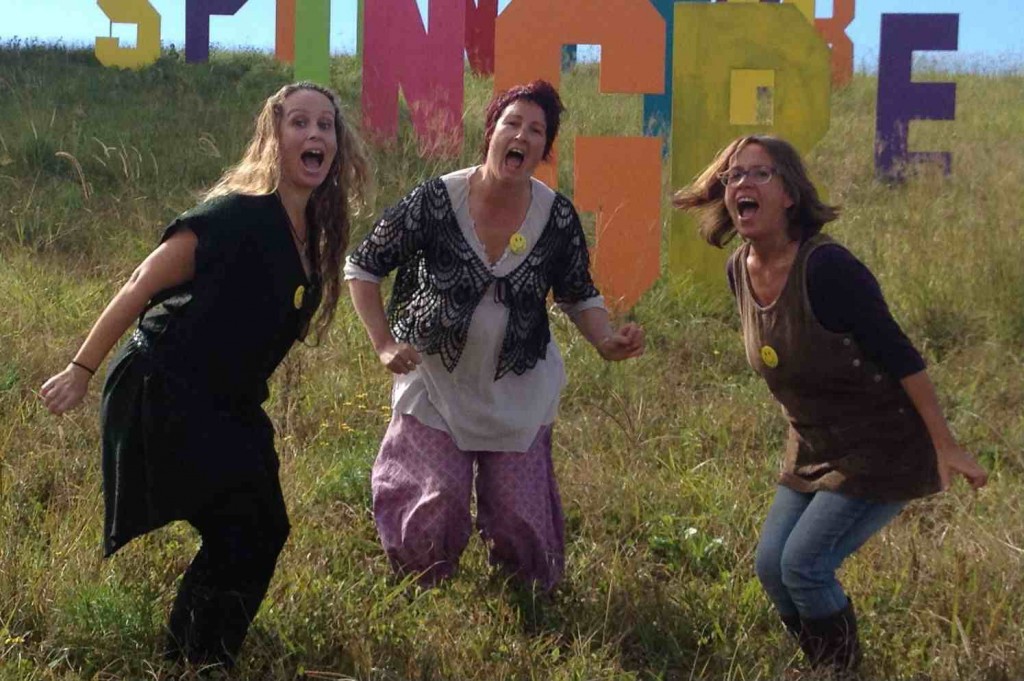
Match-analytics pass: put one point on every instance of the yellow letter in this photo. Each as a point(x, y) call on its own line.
point(733, 76)
point(806, 7)
point(147, 46)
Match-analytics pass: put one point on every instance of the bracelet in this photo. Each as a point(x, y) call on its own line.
point(92, 372)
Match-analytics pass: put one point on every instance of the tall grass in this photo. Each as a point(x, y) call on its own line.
point(666, 464)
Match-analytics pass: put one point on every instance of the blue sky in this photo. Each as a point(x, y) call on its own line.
point(987, 27)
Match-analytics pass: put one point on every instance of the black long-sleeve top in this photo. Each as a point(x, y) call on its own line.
point(846, 298)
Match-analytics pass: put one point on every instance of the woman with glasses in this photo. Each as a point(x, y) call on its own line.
point(866, 431)
point(233, 284)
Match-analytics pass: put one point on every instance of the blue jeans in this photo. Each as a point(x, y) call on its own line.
point(805, 539)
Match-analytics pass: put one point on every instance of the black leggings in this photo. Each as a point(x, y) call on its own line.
point(242, 535)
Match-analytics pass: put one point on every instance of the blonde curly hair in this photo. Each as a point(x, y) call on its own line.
point(332, 205)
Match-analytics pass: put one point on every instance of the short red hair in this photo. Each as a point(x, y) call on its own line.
point(541, 93)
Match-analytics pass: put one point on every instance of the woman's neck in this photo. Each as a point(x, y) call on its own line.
point(294, 202)
point(774, 249)
point(498, 194)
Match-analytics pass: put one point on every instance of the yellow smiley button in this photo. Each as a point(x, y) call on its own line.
point(769, 357)
point(517, 244)
point(297, 299)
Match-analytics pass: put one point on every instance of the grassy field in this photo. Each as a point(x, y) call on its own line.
point(666, 464)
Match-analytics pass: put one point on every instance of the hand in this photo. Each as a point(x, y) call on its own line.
point(399, 358)
point(953, 459)
point(625, 343)
point(65, 390)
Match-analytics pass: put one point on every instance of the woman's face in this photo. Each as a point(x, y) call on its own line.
point(758, 211)
point(308, 141)
point(517, 146)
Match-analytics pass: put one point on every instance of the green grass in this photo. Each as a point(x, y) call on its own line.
point(666, 464)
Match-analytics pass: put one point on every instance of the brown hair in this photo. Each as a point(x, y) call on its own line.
point(706, 194)
point(331, 206)
point(541, 93)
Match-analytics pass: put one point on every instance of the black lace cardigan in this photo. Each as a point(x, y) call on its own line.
point(441, 279)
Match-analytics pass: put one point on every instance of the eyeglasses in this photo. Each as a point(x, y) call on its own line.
point(757, 175)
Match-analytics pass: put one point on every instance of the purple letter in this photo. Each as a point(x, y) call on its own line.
point(900, 100)
point(197, 25)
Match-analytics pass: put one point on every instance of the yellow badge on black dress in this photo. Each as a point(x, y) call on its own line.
point(769, 357)
point(300, 292)
point(517, 244)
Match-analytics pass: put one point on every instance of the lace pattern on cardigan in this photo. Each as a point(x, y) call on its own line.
point(441, 280)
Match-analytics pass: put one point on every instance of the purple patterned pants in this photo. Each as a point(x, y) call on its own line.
point(422, 484)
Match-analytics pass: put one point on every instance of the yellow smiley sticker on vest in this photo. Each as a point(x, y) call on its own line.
point(769, 357)
point(297, 299)
point(517, 244)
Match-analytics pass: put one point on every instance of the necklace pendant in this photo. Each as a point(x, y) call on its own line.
point(300, 293)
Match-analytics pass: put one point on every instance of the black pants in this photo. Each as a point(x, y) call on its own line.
point(242, 535)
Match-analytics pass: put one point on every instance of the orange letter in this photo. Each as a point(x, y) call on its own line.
point(833, 30)
point(284, 38)
point(618, 178)
point(530, 35)
point(627, 203)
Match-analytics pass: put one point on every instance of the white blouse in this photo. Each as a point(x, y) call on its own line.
point(482, 414)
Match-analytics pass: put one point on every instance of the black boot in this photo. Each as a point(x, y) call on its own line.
point(831, 644)
point(793, 625)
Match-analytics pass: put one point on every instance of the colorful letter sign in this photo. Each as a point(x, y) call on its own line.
point(658, 108)
point(197, 25)
point(480, 16)
point(147, 46)
point(284, 32)
point(806, 7)
point(900, 100)
point(530, 35)
point(618, 178)
point(426, 64)
point(833, 30)
point(313, 41)
point(627, 255)
point(734, 77)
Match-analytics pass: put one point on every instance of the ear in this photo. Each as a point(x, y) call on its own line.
point(789, 201)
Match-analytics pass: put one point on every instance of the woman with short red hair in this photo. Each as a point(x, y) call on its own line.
point(477, 374)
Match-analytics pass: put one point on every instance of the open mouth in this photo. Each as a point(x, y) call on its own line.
point(746, 207)
point(515, 158)
point(312, 159)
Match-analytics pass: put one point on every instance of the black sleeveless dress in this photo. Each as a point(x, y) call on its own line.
point(181, 408)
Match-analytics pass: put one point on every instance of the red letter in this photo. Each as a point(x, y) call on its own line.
point(427, 65)
point(480, 35)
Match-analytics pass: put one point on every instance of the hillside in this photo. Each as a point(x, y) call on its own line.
point(666, 464)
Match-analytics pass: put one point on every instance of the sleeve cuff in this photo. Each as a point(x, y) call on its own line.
point(573, 309)
point(353, 271)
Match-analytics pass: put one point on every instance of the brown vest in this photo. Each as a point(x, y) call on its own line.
point(852, 427)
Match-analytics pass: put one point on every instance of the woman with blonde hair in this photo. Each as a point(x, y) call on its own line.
point(866, 432)
point(232, 285)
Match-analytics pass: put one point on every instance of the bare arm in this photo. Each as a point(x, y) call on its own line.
point(172, 263)
point(951, 457)
point(399, 358)
point(612, 345)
